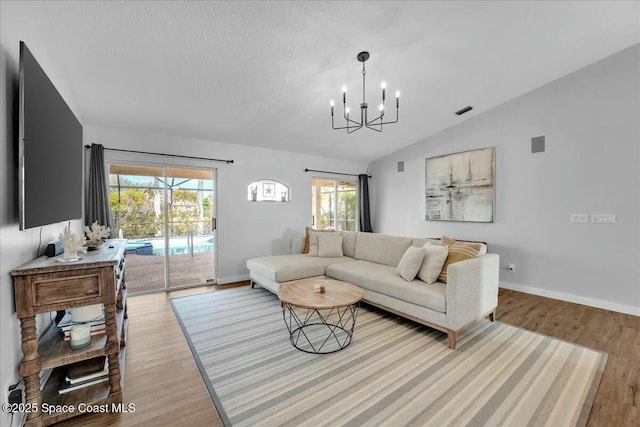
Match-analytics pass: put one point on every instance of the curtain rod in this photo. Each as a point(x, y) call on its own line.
point(334, 173)
point(163, 154)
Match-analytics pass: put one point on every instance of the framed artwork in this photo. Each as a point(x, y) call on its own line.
point(460, 186)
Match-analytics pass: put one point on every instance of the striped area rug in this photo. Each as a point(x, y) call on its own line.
point(394, 373)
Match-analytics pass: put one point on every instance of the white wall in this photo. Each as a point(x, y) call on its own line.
point(24, 22)
point(590, 119)
point(245, 229)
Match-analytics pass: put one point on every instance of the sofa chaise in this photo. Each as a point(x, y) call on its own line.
point(377, 263)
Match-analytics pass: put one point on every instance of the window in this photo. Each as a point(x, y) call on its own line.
point(268, 190)
point(334, 204)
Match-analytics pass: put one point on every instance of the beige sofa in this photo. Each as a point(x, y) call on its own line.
point(369, 260)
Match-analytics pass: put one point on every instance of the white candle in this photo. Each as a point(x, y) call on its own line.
point(80, 336)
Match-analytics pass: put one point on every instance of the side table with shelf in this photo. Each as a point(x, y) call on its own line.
point(45, 285)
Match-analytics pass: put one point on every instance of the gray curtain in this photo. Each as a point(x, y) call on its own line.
point(363, 203)
point(97, 206)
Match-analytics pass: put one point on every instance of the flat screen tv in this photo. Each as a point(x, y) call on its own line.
point(50, 150)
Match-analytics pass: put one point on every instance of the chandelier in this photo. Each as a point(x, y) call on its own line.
point(374, 124)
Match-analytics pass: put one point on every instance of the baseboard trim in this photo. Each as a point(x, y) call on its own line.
point(232, 279)
point(592, 302)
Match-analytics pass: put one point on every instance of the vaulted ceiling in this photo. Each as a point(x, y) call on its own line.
point(262, 73)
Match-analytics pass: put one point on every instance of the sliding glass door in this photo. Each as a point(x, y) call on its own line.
point(168, 216)
point(190, 226)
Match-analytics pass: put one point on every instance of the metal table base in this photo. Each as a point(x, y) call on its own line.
point(320, 331)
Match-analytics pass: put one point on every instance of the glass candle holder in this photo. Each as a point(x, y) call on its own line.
point(80, 336)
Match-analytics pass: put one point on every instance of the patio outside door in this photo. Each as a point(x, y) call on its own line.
point(167, 214)
point(190, 226)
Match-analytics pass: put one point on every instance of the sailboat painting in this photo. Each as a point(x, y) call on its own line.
point(460, 186)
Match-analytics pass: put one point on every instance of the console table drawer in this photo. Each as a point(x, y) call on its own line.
point(66, 289)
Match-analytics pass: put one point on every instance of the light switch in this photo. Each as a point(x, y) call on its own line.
point(579, 219)
point(603, 219)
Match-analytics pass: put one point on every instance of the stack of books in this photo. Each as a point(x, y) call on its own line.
point(97, 325)
point(84, 374)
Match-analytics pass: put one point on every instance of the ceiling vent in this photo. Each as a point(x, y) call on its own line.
point(464, 110)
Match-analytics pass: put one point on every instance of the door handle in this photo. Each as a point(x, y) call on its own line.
point(214, 224)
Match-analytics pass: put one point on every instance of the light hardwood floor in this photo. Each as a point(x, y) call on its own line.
point(617, 402)
point(161, 377)
point(163, 382)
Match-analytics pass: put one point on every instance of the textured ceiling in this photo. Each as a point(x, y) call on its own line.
point(262, 73)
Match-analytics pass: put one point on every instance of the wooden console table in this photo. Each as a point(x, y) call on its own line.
point(45, 285)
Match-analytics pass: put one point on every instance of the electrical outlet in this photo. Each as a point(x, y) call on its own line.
point(579, 218)
point(603, 219)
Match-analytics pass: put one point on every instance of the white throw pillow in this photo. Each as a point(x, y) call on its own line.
point(434, 258)
point(313, 240)
point(307, 239)
point(329, 245)
point(410, 263)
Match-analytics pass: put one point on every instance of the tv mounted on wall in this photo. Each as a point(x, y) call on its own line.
point(50, 150)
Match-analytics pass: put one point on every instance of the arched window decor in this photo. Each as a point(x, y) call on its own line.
point(268, 190)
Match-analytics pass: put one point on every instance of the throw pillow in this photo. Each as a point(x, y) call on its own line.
point(458, 251)
point(329, 245)
point(410, 263)
point(434, 257)
point(305, 248)
point(313, 240)
point(445, 240)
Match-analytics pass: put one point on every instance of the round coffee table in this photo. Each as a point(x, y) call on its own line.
point(320, 322)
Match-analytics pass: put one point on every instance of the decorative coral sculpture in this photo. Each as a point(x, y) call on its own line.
point(71, 243)
point(96, 234)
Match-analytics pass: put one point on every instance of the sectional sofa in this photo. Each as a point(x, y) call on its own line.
point(372, 261)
